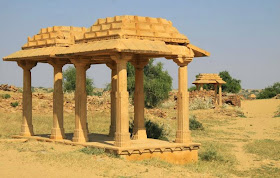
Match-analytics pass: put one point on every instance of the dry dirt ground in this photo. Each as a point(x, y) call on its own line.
point(242, 146)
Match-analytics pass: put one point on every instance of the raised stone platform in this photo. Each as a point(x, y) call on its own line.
point(177, 153)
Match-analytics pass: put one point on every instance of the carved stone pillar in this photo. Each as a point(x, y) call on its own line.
point(58, 129)
point(139, 130)
point(220, 95)
point(216, 96)
point(81, 130)
point(26, 126)
point(201, 87)
point(112, 66)
point(122, 136)
point(183, 132)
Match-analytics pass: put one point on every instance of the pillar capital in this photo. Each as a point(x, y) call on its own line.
point(81, 62)
point(57, 62)
point(27, 65)
point(111, 64)
point(182, 61)
point(140, 62)
point(120, 57)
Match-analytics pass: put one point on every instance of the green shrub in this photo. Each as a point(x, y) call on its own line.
point(157, 83)
point(195, 124)
point(269, 92)
point(14, 104)
point(5, 96)
point(69, 81)
point(153, 130)
point(201, 103)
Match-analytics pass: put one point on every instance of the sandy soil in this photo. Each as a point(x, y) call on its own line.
point(44, 159)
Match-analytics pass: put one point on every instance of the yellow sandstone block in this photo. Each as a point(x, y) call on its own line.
point(95, 28)
point(101, 21)
point(50, 29)
point(90, 35)
point(110, 19)
point(159, 28)
point(45, 36)
point(50, 41)
point(41, 42)
point(145, 33)
point(43, 30)
point(116, 25)
point(144, 26)
point(38, 37)
point(106, 26)
point(141, 19)
point(102, 33)
point(130, 32)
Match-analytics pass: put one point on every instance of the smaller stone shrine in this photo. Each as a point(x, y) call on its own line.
point(214, 79)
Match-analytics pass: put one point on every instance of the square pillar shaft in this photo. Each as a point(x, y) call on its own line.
point(220, 95)
point(58, 129)
point(183, 133)
point(216, 96)
point(113, 99)
point(139, 130)
point(201, 87)
point(81, 131)
point(122, 136)
point(26, 126)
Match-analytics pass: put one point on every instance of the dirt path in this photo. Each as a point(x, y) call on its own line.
point(258, 125)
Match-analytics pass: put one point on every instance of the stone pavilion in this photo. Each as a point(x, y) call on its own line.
point(214, 79)
point(113, 41)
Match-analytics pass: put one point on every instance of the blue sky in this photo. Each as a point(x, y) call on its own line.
point(243, 36)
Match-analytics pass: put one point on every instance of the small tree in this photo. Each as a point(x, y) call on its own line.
point(233, 85)
point(69, 81)
point(157, 83)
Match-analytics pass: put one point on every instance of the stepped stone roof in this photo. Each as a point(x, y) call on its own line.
point(209, 79)
point(153, 37)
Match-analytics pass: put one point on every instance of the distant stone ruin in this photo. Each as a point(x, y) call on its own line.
point(231, 99)
point(6, 87)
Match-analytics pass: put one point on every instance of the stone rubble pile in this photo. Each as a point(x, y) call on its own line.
point(6, 87)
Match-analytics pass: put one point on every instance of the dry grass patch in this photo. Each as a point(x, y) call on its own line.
point(265, 149)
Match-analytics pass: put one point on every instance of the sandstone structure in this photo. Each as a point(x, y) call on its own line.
point(231, 99)
point(252, 96)
point(113, 41)
point(214, 79)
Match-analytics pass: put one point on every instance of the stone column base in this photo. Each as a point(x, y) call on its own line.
point(80, 135)
point(57, 134)
point(122, 140)
point(26, 130)
point(140, 134)
point(183, 137)
point(112, 131)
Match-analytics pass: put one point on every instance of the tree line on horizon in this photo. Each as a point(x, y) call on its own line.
point(158, 84)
